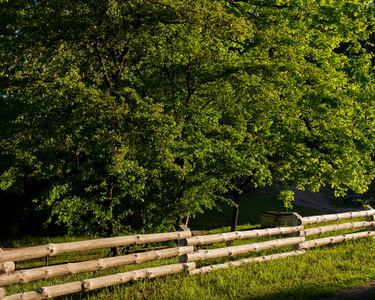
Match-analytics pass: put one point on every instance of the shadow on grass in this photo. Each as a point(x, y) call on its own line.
point(305, 292)
point(317, 292)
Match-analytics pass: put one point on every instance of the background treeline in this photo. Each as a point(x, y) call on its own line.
point(129, 115)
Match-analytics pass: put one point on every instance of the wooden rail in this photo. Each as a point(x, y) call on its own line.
point(100, 282)
point(240, 235)
point(54, 249)
point(235, 250)
point(246, 261)
point(337, 217)
point(24, 276)
point(295, 236)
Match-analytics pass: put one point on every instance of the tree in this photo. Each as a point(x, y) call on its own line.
point(311, 106)
point(113, 145)
point(130, 115)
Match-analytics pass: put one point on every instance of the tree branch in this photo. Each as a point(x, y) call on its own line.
point(188, 83)
point(122, 59)
point(247, 181)
point(101, 60)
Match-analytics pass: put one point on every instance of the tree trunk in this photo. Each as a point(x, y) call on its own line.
point(111, 223)
point(236, 208)
point(13, 207)
point(237, 189)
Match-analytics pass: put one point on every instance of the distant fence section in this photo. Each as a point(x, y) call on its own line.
point(188, 250)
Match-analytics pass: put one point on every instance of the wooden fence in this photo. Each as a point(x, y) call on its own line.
point(186, 251)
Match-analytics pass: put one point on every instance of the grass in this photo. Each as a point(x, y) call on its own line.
point(320, 272)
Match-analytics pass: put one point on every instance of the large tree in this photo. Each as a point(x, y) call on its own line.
point(309, 107)
point(129, 115)
point(102, 107)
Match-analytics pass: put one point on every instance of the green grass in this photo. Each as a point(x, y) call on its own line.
point(320, 272)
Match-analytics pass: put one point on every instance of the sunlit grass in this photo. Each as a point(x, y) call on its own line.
point(320, 272)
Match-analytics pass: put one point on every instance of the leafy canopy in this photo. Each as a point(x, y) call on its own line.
point(128, 115)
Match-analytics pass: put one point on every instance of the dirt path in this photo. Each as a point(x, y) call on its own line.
point(319, 201)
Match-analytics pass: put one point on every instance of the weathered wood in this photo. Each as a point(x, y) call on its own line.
point(276, 219)
point(183, 228)
point(54, 249)
point(245, 261)
point(7, 267)
point(269, 221)
point(182, 243)
point(235, 250)
point(239, 235)
point(100, 282)
point(336, 217)
point(186, 254)
point(29, 275)
point(344, 226)
point(370, 219)
point(197, 232)
point(336, 239)
point(297, 222)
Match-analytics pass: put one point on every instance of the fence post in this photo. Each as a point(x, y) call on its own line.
point(2, 291)
point(182, 243)
point(7, 267)
point(370, 219)
point(297, 221)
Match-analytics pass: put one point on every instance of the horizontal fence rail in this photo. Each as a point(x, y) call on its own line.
point(294, 236)
point(239, 235)
point(100, 282)
point(54, 249)
point(246, 261)
point(336, 239)
point(337, 217)
point(24, 276)
point(344, 226)
point(235, 250)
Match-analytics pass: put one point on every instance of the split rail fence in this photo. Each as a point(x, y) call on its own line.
point(186, 251)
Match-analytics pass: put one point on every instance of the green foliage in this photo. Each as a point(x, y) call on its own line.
point(121, 116)
point(287, 197)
